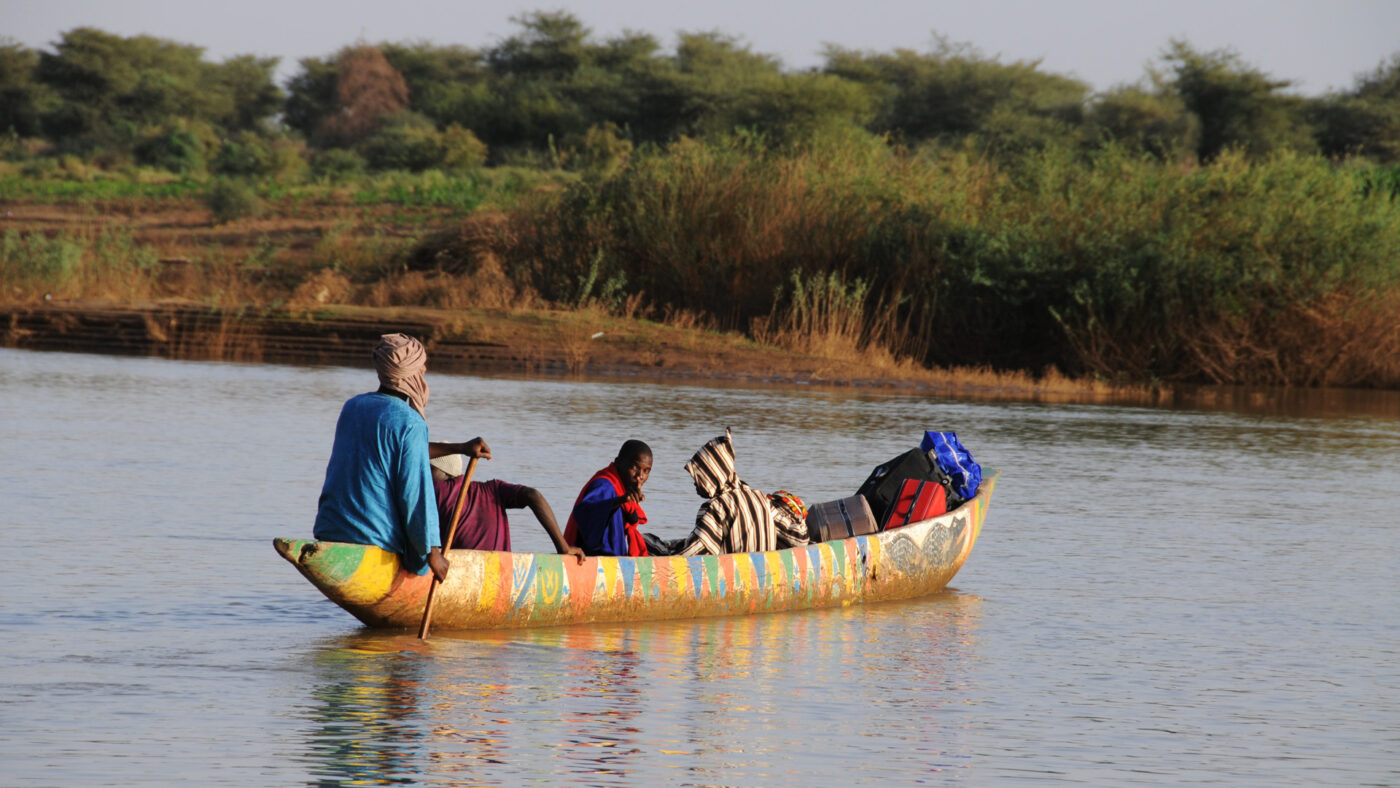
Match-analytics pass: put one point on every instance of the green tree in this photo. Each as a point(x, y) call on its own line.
point(534, 73)
point(628, 83)
point(715, 55)
point(176, 148)
point(245, 92)
point(108, 85)
point(311, 96)
point(551, 44)
point(1237, 105)
point(245, 154)
point(785, 107)
point(1152, 121)
point(461, 149)
point(1364, 121)
point(21, 97)
point(107, 89)
point(954, 92)
point(437, 77)
point(724, 85)
point(406, 141)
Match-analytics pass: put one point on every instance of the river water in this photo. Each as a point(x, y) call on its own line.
point(1159, 597)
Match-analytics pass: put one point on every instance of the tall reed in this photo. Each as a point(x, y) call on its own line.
point(1110, 263)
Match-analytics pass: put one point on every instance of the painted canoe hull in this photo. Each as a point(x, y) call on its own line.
point(497, 590)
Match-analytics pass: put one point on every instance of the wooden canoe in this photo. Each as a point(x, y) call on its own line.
point(497, 590)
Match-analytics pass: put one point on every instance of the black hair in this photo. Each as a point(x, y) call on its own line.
point(630, 452)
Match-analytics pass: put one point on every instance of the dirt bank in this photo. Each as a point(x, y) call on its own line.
point(552, 343)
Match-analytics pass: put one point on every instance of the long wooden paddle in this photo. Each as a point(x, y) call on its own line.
point(451, 534)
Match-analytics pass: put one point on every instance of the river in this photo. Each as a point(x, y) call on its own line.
point(1159, 596)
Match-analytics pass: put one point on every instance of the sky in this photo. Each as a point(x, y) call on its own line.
point(1318, 45)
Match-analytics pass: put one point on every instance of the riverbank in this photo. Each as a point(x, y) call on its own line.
point(576, 343)
point(798, 253)
point(205, 290)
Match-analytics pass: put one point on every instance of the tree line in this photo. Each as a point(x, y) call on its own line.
point(1203, 224)
point(552, 94)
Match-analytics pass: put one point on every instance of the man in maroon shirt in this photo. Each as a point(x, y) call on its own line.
point(483, 524)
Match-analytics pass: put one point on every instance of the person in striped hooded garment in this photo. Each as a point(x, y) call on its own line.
point(735, 518)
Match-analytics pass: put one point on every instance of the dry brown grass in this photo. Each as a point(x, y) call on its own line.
point(1345, 339)
point(1050, 384)
point(687, 319)
point(320, 288)
point(488, 287)
point(415, 288)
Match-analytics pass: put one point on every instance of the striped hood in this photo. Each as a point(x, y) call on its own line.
point(712, 467)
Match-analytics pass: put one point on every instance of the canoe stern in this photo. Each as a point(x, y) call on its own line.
point(364, 580)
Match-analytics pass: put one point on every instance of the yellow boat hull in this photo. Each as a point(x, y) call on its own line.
point(497, 590)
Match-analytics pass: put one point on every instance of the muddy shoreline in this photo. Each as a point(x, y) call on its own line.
point(588, 347)
point(204, 333)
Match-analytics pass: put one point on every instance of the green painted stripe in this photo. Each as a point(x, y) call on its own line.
point(334, 561)
point(838, 568)
point(549, 571)
point(644, 574)
point(712, 573)
point(790, 578)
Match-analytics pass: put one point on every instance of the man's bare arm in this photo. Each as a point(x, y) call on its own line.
point(545, 515)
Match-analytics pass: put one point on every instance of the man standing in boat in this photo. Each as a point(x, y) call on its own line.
point(379, 485)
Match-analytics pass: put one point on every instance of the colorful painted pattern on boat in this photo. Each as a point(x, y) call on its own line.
point(487, 590)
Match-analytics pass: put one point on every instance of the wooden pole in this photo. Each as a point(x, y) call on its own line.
point(451, 534)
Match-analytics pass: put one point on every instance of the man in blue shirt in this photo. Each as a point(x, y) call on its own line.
point(379, 486)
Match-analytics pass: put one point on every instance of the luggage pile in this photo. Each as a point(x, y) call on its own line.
point(914, 486)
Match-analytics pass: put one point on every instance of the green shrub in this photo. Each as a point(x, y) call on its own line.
point(31, 263)
point(288, 161)
point(461, 149)
point(602, 150)
point(230, 200)
point(95, 264)
point(246, 154)
point(181, 147)
point(337, 164)
point(407, 142)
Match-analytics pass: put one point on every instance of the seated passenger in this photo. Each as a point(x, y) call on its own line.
point(736, 518)
point(482, 523)
point(605, 517)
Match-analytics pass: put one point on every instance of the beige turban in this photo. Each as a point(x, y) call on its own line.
point(450, 464)
point(401, 361)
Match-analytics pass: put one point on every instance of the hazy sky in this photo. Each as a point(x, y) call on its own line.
point(1319, 45)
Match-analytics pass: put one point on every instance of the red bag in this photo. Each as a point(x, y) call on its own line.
point(918, 499)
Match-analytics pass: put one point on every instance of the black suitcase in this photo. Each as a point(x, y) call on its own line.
point(882, 486)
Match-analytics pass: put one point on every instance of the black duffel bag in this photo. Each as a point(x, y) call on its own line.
point(882, 486)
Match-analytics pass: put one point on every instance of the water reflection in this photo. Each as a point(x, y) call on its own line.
point(1157, 582)
point(367, 711)
point(1297, 402)
point(723, 700)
